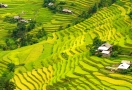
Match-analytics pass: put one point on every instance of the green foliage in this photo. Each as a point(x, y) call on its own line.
point(114, 54)
point(99, 54)
point(46, 2)
point(20, 30)
point(72, 4)
point(115, 48)
point(10, 19)
point(85, 15)
point(41, 33)
point(31, 25)
point(19, 36)
point(10, 44)
point(97, 42)
point(62, 2)
point(68, 25)
point(130, 14)
point(5, 83)
point(60, 28)
point(77, 20)
point(124, 71)
point(92, 51)
point(130, 33)
point(64, 55)
point(11, 67)
point(94, 8)
point(106, 3)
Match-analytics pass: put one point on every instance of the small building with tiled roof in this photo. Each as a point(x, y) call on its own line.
point(105, 49)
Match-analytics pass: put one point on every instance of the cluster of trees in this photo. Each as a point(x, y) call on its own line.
point(46, 2)
point(19, 36)
point(93, 47)
point(126, 71)
point(116, 50)
point(106, 3)
point(5, 83)
point(10, 19)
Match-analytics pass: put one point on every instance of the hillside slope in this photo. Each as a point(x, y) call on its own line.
point(62, 62)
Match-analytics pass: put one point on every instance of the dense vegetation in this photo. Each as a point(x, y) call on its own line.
point(55, 50)
point(5, 83)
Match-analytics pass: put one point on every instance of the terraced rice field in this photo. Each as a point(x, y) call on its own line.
point(62, 62)
point(30, 9)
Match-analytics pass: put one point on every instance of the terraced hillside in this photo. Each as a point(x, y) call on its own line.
point(43, 16)
point(63, 62)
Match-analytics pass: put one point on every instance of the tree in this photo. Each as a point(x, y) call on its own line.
point(60, 8)
point(92, 51)
point(10, 44)
point(130, 14)
point(84, 14)
point(124, 71)
point(114, 54)
point(10, 19)
point(97, 42)
point(68, 25)
point(94, 8)
point(5, 83)
point(11, 67)
point(31, 25)
point(10, 85)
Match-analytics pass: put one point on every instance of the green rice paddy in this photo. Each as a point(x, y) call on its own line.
point(63, 62)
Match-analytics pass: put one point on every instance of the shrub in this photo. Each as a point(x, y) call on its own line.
point(10, 19)
point(64, 55)
point(99, 54)
point(130, 14)
point(114, 54)
point(62, 2)
point(124, 71)
point(72, 4)
point(11, 67)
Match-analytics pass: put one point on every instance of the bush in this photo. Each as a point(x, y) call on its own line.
point(92, 51)
point(114, 54)
point(130, 14)
point(62, 3)
point(72, 4)
point(124, 71)
point(99, 54)
point(10, 19)
point(11, 67)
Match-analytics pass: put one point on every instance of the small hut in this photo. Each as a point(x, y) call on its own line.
point(67, 11)
point(3, 5)
point(105, 49)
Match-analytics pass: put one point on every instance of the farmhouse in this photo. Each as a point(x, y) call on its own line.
point(3, 5)
point(105, 49)
point(124, 64)
point(17, 17)
point(23, 20)
point(67, 11)
point(50, 4)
